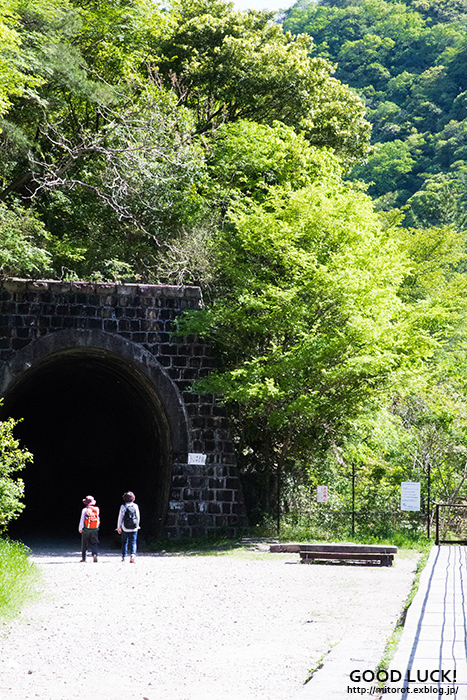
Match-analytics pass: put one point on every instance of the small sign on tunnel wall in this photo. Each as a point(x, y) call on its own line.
point(196, 458)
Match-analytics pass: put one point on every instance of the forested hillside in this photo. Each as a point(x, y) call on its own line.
point(408, 62)
point(188, 143)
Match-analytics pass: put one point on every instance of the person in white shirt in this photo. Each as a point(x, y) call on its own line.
point(128, 524)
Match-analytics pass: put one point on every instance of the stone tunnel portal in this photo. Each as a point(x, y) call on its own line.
point(106, 388)
point(94, 425)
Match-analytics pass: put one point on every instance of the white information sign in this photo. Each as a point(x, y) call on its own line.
point(410, 495)
point(322, 494)
point(196, 458)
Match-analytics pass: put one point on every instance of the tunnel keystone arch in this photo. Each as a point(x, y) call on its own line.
point(114, 343)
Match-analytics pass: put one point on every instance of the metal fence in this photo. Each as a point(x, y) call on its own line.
point(325, 522)
point(451, 523)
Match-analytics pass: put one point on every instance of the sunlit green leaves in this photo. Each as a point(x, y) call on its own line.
point(21, 236)
point(11, 78)
point(13, 458)
point(248, 158)
point(309, 324)
point(243, 66)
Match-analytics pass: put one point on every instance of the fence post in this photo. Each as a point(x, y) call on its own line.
point(429, 499)
point(437, 524)
point(353, 499)
point(278, 513)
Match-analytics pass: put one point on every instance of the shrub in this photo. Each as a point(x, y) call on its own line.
point(18, 578)
point(12, 458)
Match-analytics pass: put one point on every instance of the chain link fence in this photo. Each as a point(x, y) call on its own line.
point(326, 523)
point(451, 523)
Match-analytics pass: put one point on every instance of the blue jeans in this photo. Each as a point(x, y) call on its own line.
point(129, 542)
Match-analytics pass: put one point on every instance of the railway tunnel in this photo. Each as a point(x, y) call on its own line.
point(94, 426)
point(106, 393)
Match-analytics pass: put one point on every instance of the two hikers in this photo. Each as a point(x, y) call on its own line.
point(128, 524)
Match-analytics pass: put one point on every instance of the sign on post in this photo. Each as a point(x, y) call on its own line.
point(410, 495)
point(322, 494)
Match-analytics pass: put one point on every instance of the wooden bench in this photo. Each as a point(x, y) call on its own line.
point(383, 554)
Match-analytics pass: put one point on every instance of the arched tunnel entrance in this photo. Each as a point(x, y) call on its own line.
point(95, 425)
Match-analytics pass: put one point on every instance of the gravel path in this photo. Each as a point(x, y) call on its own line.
point(242, 626)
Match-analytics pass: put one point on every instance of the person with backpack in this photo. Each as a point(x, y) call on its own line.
point(89, 528)
point(128, 525)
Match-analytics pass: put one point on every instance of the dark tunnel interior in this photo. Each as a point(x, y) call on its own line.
point(93, 427)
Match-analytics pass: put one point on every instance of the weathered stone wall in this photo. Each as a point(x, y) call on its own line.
point(202, 497)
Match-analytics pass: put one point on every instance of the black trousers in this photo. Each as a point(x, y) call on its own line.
point(89, 540)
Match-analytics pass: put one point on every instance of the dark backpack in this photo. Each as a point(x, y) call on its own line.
point(130, 519)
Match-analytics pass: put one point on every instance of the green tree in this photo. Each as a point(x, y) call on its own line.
point(13, 458)
point(437, 425)
point(307, 322)
point(247, 159)
point(22, 236)
point(233, 65)
point(391, 161)
point(441, 202)
point(419, 433)
point(11, 77)
point(106, 146)
point(422, 429)
point(407, 61)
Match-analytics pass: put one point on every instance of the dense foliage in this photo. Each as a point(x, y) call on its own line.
point(190, 143)
point(407, 62)
point(114, 110)
point(13, 458)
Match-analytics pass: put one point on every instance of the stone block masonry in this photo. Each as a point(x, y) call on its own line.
point(202, 497)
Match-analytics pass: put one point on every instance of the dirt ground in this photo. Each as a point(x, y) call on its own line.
point(247, 625)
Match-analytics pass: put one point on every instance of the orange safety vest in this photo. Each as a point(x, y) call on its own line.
point(91, 518)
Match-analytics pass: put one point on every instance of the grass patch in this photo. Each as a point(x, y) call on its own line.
point(19, 578)
point(215, 544)
point(311, 535)
point(319, 664)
